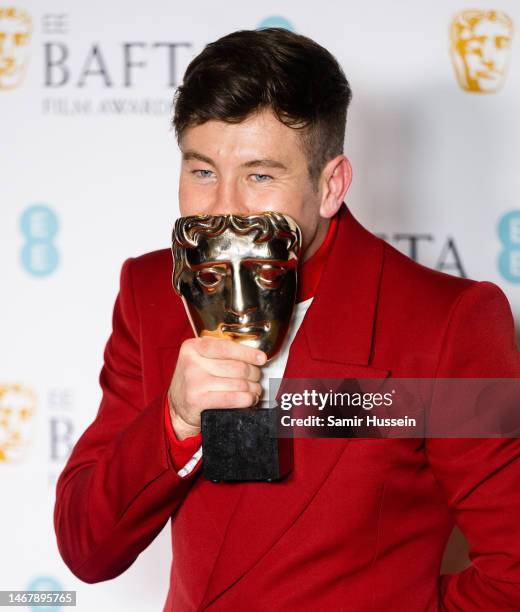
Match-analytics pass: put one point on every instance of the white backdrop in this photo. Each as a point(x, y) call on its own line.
point(89, 171)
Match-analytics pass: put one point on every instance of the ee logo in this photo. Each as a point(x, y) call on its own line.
point(45, 583)
point(39, 226)
point(275, 21)
point(509, 235)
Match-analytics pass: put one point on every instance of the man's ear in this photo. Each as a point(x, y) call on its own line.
point(335, 180)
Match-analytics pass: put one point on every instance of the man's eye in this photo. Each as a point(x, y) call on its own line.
point(270, 277)
point(202, 173)
point(261, 178)
point(209, 278)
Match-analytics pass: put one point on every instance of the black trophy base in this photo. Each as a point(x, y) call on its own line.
point(240, 444)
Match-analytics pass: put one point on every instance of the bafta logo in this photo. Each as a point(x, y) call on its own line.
point(15, 36)
point(480, 43)
point(17, 408)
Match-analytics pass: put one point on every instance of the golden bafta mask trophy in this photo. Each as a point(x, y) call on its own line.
point(237, 277)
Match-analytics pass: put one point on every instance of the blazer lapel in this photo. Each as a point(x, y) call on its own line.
point(332, 342)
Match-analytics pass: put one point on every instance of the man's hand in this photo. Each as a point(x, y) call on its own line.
point(212, 373)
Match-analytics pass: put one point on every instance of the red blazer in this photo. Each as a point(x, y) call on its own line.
point(360, 524)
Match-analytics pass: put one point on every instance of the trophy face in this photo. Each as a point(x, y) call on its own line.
point(237, 275)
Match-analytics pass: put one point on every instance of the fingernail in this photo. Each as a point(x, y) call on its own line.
point(261, 358)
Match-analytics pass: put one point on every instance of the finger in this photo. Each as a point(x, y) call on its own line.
point(219, 348)
point(227, 399)
point(217, 383)
point(229, 368)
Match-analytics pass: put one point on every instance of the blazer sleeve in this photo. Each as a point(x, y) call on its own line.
point(119, 486)
point(481, 477)
point(181, 451)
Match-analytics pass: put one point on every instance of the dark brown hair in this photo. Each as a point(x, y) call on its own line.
point(245, 71)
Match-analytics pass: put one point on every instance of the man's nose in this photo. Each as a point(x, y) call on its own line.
point(228, 198)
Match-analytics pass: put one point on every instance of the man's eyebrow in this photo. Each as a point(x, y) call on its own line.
point(191, 154)
point(266, 163)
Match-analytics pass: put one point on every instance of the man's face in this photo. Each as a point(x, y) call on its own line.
point(240, 289)
point(254, 166)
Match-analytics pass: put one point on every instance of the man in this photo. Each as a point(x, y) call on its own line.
point(359, 524)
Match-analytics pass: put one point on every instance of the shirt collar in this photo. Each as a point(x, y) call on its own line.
point(310, 271)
